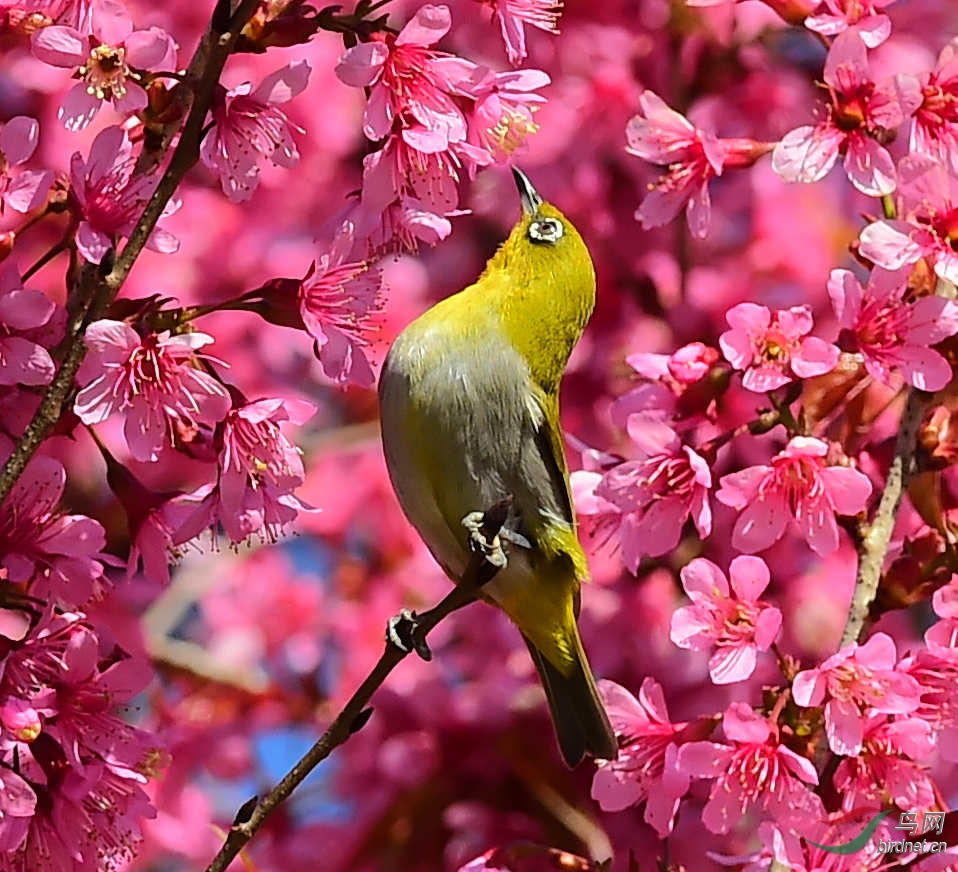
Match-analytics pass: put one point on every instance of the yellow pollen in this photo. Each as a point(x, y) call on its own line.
point(512, 129)
point(106, 72)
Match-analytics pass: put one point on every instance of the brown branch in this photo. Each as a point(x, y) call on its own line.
point(96, 288)
point(874, 545)
point(412, 630)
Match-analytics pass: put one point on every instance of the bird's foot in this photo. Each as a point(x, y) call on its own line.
point(491, 549)
point(404, 631)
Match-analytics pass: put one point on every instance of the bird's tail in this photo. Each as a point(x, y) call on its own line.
point(581, 724)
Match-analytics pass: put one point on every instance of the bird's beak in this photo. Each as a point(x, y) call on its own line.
point(531, 201)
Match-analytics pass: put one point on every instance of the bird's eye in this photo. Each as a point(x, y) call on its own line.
point(547, 230)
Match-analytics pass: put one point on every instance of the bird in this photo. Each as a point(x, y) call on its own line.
point(469, 413)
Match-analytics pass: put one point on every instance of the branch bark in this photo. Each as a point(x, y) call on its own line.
point(875, 543)
point(353, 716)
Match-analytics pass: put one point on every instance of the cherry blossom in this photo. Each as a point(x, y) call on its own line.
point(48, 552)
point(646, 770)
point(109, 197)
point(407, 77)
point(797, 486)
point(935, 126)
point(335, 302)
point(774, 349)
point(891, 333)
point(84, 764)
point(502, 116)
point(860, 113)
point(151, 381)
point(109, 62)
point(732, 620)
point(753, 769)
point(259, 468)
point(927, 207)
point(649, 498)
point(28, 189)
point(857, 680)
point(513, 15)
point(22, 313)
point(694, 157)
point(886, 766)
point(249, 125)
point(865, 16)
point(25, 17)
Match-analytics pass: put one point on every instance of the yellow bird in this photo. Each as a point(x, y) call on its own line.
point(469, 401)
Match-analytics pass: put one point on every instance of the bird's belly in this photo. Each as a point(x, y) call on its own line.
point(452, 430)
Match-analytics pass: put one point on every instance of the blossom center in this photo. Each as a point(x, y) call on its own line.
point(511, 130)
point(881, 327)
point(797, 479)
point(105, 72)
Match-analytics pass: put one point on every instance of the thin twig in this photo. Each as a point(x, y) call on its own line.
point(96, 288)
point(875, 543)
point(353, 715)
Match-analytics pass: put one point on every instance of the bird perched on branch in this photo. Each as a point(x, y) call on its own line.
point(469, 401)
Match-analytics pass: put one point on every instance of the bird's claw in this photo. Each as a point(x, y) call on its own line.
point(475, 523)
point(403, 631)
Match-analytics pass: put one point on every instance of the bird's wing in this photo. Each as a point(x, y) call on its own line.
point(553, 524)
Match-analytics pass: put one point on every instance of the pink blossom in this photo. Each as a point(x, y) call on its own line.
point(797, 486)
point(27, 16)
point(935, 127)
point(86, 765)
point(513, 15)
point(889, 331)
point(18, 803)
point(151, 381)
point(421, 164)
point(754, 769)
point(860, 114)
point(886, 766)
point(798, 853)
point(661, 135)
point(109, 62)
point(109, 198)
point(649, 498)
point(935, 668)
point(409, 187)
point(152, 518)
point(691, 363)
point(22, 312)
point(735, 622)
point(408, 78)
point(646, 770)
point(694, 157)
point(773, 349)
point(49, 553)
point(837, 16)
point(502, 116)
point(859, 679)
point(335, 302)
point(249, 125)
point(928, 209)
point(399, 225)
point(259, 468)
point(28, 189)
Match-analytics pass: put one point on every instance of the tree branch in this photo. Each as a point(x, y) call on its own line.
point(353, 716)
point(95, 288)
point(875, 543)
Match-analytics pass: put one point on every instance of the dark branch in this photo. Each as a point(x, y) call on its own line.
point(356, 713)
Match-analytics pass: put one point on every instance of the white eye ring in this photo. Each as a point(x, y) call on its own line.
point(547, 230)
